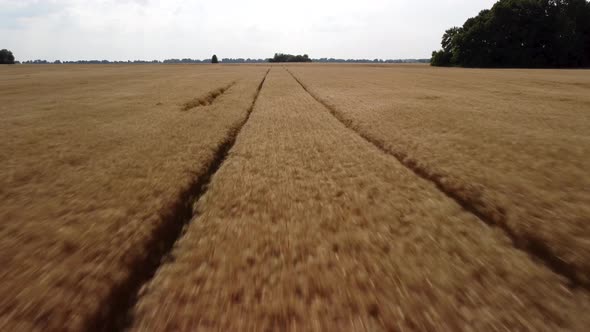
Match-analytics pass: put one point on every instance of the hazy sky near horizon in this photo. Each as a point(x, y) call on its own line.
point(163, 29)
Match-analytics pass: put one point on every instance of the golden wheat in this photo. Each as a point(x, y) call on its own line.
point(94, 160)
point(306, 226)
point(512, 145)
point(355, 197)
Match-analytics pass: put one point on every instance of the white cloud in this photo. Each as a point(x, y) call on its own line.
point(152, 29)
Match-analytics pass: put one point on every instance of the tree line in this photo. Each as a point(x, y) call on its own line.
point(335, 60)
point(521, 33)
point(281, 57)
point(224, 60)
point(179, 61)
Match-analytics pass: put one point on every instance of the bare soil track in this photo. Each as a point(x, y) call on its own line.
point(207, 99)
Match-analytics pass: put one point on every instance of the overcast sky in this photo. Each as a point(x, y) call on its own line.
point(162, 29)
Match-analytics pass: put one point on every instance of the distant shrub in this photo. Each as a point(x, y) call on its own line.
point(280, 57)
point(6, 57)
point(214, 59)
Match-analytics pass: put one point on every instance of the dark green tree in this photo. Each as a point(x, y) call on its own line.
point(281, 57)
point(214, 59)
point(6, 57)
point(441, 58)
point(521, 33)
point(444, 57)
point(448, 38)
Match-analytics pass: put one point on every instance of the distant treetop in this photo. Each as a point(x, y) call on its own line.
point(214, 59)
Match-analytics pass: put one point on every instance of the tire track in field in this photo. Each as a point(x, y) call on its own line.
point(206, 99)
point(123, 298)
point(469, 200)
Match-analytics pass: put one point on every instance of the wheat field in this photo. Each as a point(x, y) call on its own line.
point(298, 197)
point(513, 145)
